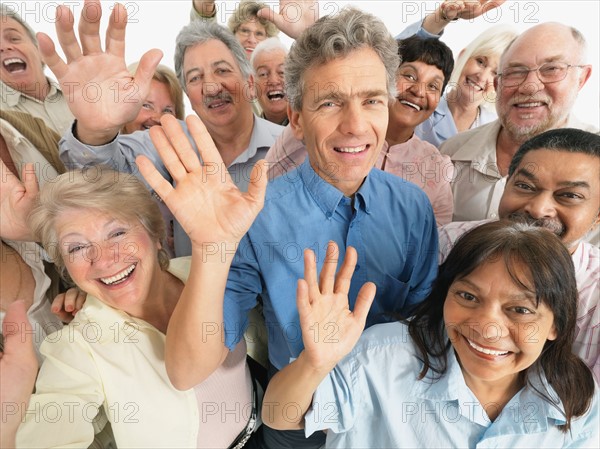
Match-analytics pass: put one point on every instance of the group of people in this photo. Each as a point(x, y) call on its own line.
point(394, 199)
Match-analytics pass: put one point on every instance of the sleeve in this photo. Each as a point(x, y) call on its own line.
point(418, 30)
point(244, 284)
point(286, 154)
point(336, 401)
point(443, 199)
point(68, 395)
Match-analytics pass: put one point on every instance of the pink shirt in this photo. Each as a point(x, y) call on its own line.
point(415, 160)
point(586, 259)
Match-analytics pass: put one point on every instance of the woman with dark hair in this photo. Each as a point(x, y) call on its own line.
point(487, 356)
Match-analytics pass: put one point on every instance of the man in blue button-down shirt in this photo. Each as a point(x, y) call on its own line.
point(338, 94)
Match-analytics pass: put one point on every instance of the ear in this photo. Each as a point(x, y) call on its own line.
point(586, 72)
point(552, 335)
point(296, 123)
point(251, 87)
point(496, 83)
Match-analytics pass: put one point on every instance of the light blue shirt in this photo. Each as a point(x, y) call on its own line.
point(390, 222)
point(372, 399)
point(440, 125)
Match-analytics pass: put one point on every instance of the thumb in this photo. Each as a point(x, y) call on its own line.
point(145, 70)
point(270, 15)
point(365, 298)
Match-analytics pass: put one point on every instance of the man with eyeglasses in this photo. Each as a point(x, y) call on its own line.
point(540, 74)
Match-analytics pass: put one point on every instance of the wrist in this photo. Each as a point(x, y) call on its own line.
point(445, 18)
point(93, 137)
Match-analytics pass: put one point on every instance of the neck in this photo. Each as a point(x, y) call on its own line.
point(506, 147)
point(493, 396)
point(397, 135)
point(164, 293)
point(463, 114)
point(233, 140)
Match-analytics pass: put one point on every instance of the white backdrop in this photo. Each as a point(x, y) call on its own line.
point(155, 23)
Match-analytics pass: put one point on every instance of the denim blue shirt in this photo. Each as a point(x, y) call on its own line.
point(372, 399)
point(390, 222)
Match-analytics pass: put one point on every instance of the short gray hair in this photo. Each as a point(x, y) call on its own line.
point(266, 46)
point(336, 36)
point(199, 32)
point(6, 11)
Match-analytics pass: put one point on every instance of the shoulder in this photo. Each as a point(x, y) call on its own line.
point(468, 142)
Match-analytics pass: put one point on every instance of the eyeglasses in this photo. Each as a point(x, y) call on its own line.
point(246, 32)
point(550, 72)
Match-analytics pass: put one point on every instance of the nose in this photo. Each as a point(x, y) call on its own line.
point(102, 255)
point(531, 84)
point(353, 119)
point(417, 89)
point(5, 44)
point(541, 205)
point(211, 85)
point(490, 323)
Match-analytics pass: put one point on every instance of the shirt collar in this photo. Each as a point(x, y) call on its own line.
point(11, 96)
point(260, 135)
point(327, 197)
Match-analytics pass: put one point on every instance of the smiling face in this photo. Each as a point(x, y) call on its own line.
point(20, 61)
point(494, 325)
point(476, 82)
point(419, 88)
point(533, 107)
point(158, 102)
point(217, 90)
point(112, 260)
point(344, 117)
point(249, 34)
point(558, 190)
point(268, 66)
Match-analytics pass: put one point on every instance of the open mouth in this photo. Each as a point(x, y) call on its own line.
point(412, 105)
point(486, 351)
point(473, 84)
point(275, 95)
point(530, 105)
point(352, 150)
point(119, 277)
point(13, 65)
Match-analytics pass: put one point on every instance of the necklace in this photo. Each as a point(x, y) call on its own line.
point(476, 122)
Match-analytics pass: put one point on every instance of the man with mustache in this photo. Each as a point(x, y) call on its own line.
point(212, 68)
point(23, 85)
point(540, 75)
point(554, 182)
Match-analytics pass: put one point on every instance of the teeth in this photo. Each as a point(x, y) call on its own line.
point(119, 276)
point(529, 105)
point(484, 350)
point(351, 149)
point(275, 95)
point(474, 84)
point(412, 105)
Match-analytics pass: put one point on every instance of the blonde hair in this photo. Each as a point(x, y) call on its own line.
point(492, 42)
point(101, 189)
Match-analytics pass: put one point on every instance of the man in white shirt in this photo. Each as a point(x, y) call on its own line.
point(554, 182)
point(541, 73)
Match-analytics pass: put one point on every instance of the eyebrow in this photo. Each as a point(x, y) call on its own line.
point(335, 95)
point(529, 175)
point(77, 234)
point(523, 295)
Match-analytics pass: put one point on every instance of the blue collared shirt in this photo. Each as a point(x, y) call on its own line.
point(390, 222)
point(372, 399)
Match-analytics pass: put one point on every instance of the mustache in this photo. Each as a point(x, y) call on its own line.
point(552, 224)
point(223, 95)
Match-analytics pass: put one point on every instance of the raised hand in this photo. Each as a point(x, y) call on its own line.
point(18, 369)
point(205, 201)
point(468, 9)
point(102, 94)
point(294, 16)
point(16, 201)
point(329, 328)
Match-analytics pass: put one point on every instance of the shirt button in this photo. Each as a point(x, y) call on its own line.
point(328, 215)
point(493, 215)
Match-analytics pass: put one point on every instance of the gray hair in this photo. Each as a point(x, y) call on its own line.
point(336, 36)
point(199, 32)
point(266, 46)
point(6, 11)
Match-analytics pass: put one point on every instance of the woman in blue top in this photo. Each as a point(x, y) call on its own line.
point(486, 361)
